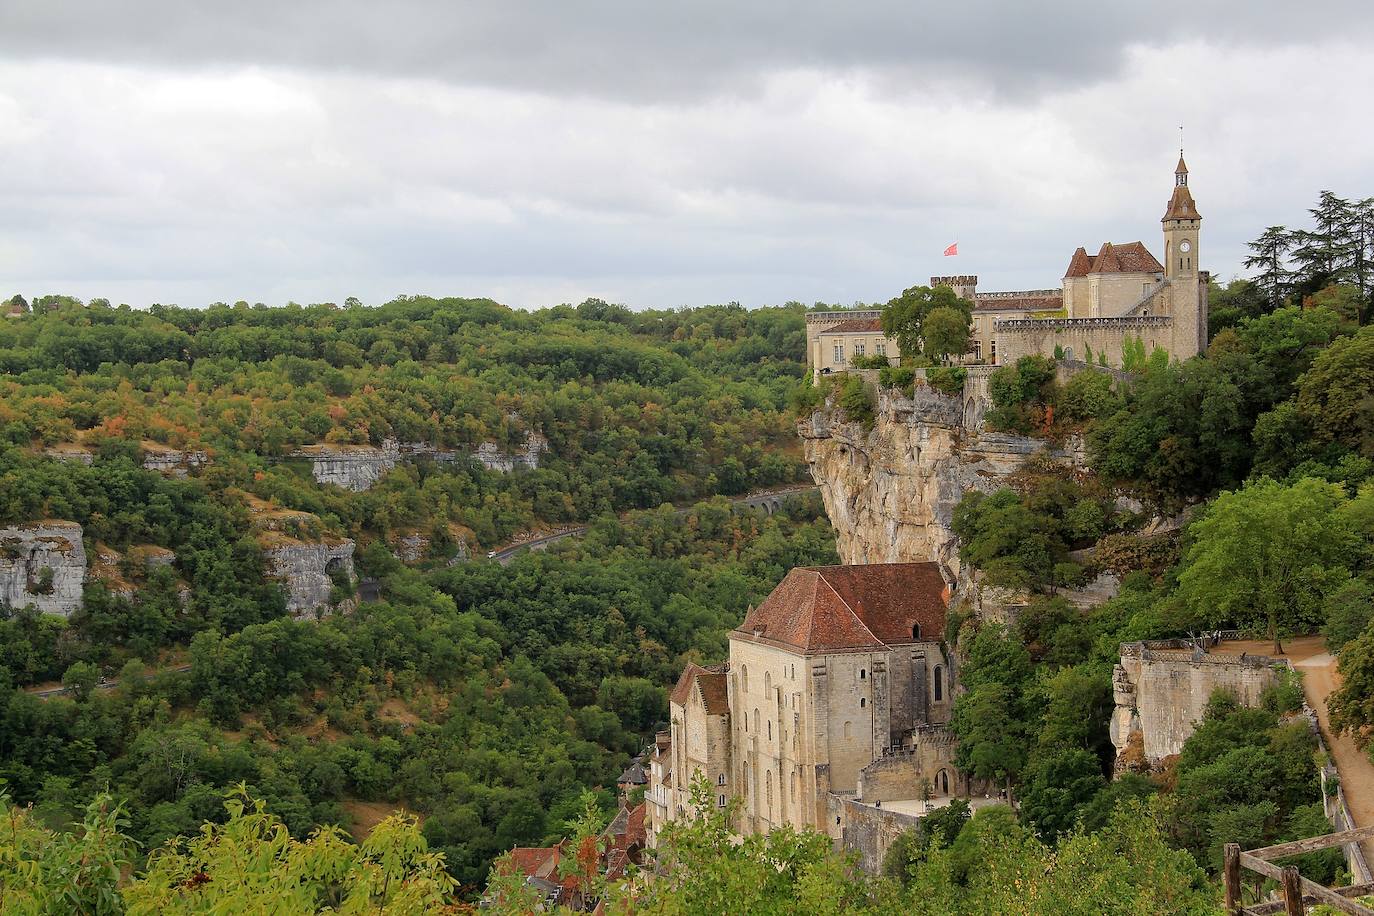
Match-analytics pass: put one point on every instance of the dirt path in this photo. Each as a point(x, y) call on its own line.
point(1320, 677)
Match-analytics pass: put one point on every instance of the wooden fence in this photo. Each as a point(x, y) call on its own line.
point(1295, 890)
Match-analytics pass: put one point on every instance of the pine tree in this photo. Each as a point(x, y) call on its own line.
point(1269, 250)
point(1325, 254)
point(1362, 235)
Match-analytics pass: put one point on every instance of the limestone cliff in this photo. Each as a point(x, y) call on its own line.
point(891, 492)
point(358, 467)
point(307, 560)
point(43, 564)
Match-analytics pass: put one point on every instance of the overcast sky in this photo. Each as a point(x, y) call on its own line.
point(650, 153)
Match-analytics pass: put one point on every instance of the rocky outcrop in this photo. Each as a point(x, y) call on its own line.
point(310, 571)
point(70, 451)
point(43, 564)
point(172, 461)
point(891, 492)
point(353, 467)
point(358, 467)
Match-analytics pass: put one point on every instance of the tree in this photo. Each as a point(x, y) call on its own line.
point(1274, 278)
point(1059, 783)
point(1352, 703)
point(1265, 556)
point(1348, 611)
point(946, 332)
point(80, 679)
point(1335, 395)
point(1325, 254)
point(904, 317)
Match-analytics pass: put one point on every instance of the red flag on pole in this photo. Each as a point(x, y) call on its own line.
point(952, 250)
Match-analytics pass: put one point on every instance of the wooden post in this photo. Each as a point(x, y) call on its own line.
point(1230, 876)
point(1292, 891)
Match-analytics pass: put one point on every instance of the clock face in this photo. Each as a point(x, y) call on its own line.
point(1185, 246)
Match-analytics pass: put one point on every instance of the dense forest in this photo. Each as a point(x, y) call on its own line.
point(484, 697)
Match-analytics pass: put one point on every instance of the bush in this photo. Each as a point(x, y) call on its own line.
point(902, 377)
point(947, 379)
point(857, 401)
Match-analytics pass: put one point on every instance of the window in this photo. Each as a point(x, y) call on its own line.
point(770, 729)
point(839, 354)
point(916, 631)
point(862, 674)
point(744, 678)
point(846, 729)
point(880, 348)
point(756, 720)
point(858, 348)
point(720, 801)
point(939, 683)
point(977, 349)
point(863, 702)
point(767, 681)
point(720, 780)
point(993, 352)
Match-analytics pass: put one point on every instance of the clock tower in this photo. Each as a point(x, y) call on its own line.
point(1187, 292)
point(1181, 224)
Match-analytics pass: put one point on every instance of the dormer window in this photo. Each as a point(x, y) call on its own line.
point(916, 631)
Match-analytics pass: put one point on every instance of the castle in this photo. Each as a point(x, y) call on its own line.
point(835, 702)
point(1120, 296)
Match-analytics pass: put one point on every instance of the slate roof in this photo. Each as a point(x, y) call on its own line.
point(711, 683)
point(836, 608)
point(856, 326)
point(1020, 303)
point(1181, 205)
point(633, 775)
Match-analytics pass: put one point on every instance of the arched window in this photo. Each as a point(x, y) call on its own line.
point(720, 780)
point(846, 729)
point(939, 683)
point(863, 702)
point(942, 782)
point(863, 675)
point(756, 720)
point(767, 681)
point(916, 631)
point(770, 729)
point(744, 678)
point(720, 801)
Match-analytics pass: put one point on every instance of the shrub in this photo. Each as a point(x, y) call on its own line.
point(902, 377)
point(857, 401)
point(947, 379)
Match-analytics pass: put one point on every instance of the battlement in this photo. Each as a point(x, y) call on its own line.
point(1021, 294)
point(955, 281)
point(829, 318)
point(1074, 324)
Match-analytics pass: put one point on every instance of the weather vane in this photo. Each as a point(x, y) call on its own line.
point(1180, 141)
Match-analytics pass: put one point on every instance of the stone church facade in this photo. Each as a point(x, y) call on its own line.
point(838, 691)
point(1119, 296)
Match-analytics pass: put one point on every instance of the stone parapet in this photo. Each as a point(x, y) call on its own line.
point(1012, 325)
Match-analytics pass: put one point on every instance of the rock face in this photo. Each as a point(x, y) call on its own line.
point(43, 564)
point(358, 467)
point(308, 571)
point(173, 461)
point(353, 467)
point(891, 493)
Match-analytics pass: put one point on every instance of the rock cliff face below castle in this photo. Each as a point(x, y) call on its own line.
point(43, 564)
point(891, 492)
point(308, 572)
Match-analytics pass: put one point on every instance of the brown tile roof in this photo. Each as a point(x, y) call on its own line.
point(534, 861)
point(1020, 304)
point(710, 681)
point(829, 608)
point(1181, 205)
point(1080, 265)
point(856, 326)
point(1127, 258)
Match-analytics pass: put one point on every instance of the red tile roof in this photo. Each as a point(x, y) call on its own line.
point(830, 608)
point(711, 683)
point(1181, 205)
point(856, 326)
point(1080, 265)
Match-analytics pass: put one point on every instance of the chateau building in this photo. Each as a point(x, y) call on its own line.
point(838, 690)
point(1121, 295)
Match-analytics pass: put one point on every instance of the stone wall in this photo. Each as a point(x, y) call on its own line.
point(870, 831)
point(1161, 689)
point(908, 772)
point(1024, 337)
point(26, 551)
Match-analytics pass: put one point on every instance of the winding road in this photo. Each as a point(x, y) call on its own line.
point(771, 500)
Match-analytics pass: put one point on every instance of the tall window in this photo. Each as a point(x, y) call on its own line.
point(993, 346)
point(846, 729)
point(744, 678)
point(767, 681)
point(720, 801)
point(939, 683)
point(858, 348)
point(770, 729)
point(756, 720)
point(977, 349)
point(880, 348)
point(916, 631)
point(863, 702)
point(720, 780)
point(839, 354)
point(863, 673)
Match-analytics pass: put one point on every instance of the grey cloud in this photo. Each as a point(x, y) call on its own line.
point(664, 51)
